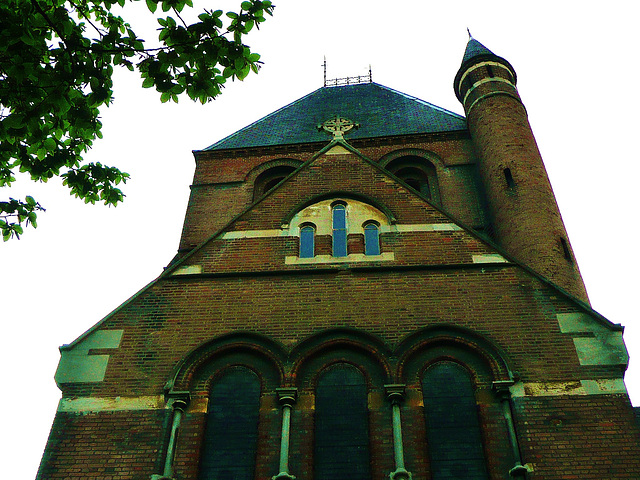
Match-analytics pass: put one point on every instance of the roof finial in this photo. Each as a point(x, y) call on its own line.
point(325, 70)
point(469, 32)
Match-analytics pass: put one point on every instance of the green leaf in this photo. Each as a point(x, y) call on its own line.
point(152, 5)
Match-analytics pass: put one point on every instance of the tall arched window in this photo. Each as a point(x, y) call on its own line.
point(417, 172)
point(371, 239)
point(307, 241)
point(341, 425)
point(453, 430)
point(231, 434)
point(339, 223)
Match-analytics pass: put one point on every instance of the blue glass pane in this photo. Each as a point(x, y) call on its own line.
point(339, 243)
point(339, 231)
point(307, 242)
point(339, 217)
point(371, 240)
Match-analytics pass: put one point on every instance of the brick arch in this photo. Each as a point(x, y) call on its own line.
point(416, 168)
point(479, 356)
point(364, 351)
point(256, 352)
point(260, 175)
point(431, 157)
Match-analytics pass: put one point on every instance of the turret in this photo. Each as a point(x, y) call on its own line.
point(524, 215)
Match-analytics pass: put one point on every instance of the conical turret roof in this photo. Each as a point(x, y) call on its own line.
point(475, 48)
point(474, 54)
point(380, 112)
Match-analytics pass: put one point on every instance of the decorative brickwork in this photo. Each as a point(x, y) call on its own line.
point(473, 274)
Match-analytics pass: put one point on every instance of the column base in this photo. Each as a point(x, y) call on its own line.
point(283, 476)
point(400, 474)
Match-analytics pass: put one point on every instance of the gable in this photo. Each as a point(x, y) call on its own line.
point(412, 230)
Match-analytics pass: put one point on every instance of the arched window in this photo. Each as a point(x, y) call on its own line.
point(417, 172)
point(270, 178)
point(371, 239)
point(453, 430)
point(231, 434)
point(339, 225)
point(341, 425)
point(307, 241)
point(416, 178)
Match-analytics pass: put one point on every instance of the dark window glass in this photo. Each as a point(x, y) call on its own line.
point(416, 179)
point(231, 434)
point(339, 230)
point(453, 430)
point(270, 178)
point(371, 239)
point(566, 250)
point(307, 234)
point(509, 178)
point(341, 425)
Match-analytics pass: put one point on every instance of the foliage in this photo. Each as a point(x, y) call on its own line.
point(57, 59)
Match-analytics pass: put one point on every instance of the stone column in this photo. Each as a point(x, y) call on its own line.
point(502, 388)
point(287, 398)
point(395, 394)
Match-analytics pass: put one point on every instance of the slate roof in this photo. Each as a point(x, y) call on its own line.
point(379, 110)
point(475, 48)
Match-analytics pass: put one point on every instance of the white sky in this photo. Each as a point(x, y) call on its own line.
point(577, 66)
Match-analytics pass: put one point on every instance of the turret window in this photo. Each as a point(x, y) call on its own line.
point(509, 178)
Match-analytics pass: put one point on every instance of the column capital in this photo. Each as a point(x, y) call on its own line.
point(395, 392)
point(503, 388)
point(179, 400)
point(287, 396)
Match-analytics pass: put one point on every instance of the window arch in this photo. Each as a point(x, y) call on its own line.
point(231, 433)
point(341, 424)
point(453, 429)
point(270, 178)
point(417, 172)
point(307, 240)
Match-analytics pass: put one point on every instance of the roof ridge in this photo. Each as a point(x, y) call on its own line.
point(424, 102)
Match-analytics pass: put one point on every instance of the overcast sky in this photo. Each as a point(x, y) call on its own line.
point(577, 68)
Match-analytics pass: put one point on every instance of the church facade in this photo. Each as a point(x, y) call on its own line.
point(367, 286)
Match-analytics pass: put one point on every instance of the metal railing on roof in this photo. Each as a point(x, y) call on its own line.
point(338, 82)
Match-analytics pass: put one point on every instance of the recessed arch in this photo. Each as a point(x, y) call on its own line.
point(484, 361)
point(431, 157)
point(416, 168)
point(364, 351)
point(257, 352)
point(267, 175)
